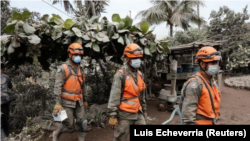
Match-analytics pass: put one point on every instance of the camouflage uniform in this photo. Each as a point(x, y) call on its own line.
point(125, 119)
point(192, 90)
point(72, 108)
point(6, 97)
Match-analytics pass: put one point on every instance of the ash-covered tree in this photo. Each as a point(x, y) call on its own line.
point(227, 25)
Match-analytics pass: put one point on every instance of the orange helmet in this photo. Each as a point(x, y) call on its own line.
point(133, 51)
point(75, 48)
point(208, 54)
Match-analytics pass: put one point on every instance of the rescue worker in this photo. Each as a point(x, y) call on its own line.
point(69, 90)
point(6, 97)
point(127, 103)
point(200, 94)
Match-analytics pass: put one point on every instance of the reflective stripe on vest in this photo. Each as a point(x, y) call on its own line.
point(73, 83)
point(130, 98)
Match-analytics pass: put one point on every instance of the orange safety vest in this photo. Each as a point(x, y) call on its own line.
point(130, 101)
point(72, 88)
point(205, 113)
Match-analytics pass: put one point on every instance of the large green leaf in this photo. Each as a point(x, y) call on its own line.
point(45, 18)
point(59, 21)
point(166, 48)
point(68, 23)
point(25, 15)
point(134, 28)
point(66, 41)
point(123, 31)
point(94, 19)
point(98, 38)
point(34, 39)
point(115, 36)
point(52, 19)
point(121, 25)
point(146, 51)
point(17, 16)
point(144, 26)
point(10, 49)
point(126, 39)
point(79, 40)
point(105, 39)
point(57, 33)
point(28, 29)
point(77, 31)
point(128, 22)
point(116, 18)
point(21, 16)
point(10, 28)
point(5, 39)
point(88, 45)
point(153, 47)
point(95, 47)
point(120, 40)
point(69, 33)
point(86, 37)
point(143, 41)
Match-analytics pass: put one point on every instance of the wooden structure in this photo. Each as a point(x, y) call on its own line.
point(189, 51)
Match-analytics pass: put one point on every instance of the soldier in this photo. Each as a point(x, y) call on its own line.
point(70, 96)
point(127, 103)
point(200, 94)
point(6, 97)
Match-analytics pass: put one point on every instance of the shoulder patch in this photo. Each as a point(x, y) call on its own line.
point(194, 84)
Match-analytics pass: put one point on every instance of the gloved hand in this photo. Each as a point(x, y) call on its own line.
point(57, 108)
point(113, 122)
point(85, 104)
point(146, 117)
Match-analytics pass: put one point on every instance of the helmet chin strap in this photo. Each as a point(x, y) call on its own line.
point(71, 58)
point(203, 69)
point(130, 65)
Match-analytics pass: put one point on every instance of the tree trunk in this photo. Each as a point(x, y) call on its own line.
point(93, 8)
point(171, 30)
point(198, 13)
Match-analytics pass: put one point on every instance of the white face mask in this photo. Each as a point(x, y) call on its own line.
point(212, 70)
point(136, 63)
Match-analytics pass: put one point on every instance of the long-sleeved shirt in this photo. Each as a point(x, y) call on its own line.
point(60, 81)
point(116, 93)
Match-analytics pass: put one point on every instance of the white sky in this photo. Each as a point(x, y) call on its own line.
point(123, 7)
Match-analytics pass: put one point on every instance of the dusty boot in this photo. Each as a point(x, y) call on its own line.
point(56, 135)
point(81, 136)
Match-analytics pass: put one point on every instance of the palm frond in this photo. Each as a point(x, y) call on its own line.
point(153, 15)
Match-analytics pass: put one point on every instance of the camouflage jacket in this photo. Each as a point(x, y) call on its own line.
point(59, 82)
point(115, 97)
point(192, 90)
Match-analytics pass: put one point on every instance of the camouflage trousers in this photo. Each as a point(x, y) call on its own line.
point(123, 128)
point(72, 113)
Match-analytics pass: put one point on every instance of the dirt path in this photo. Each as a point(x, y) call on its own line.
point(235, 109)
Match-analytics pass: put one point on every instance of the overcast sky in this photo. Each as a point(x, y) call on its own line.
point(124, 6)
